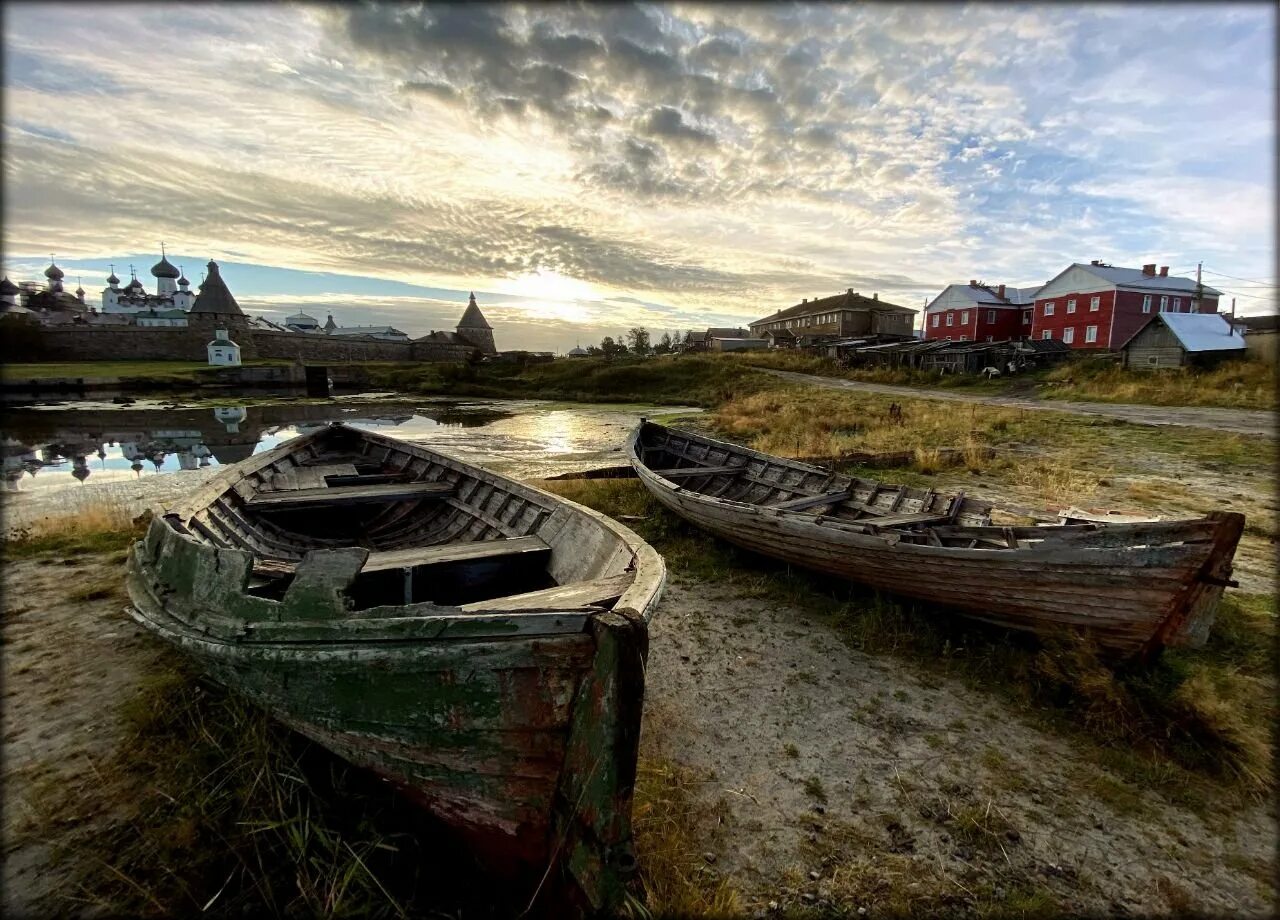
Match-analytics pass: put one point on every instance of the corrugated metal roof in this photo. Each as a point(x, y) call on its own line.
point(1133, 277)
point(1198, 331)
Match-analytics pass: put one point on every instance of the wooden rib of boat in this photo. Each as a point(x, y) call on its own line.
point(478, 642)
point(1133, 587)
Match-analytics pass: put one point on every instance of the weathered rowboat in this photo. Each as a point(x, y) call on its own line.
point(1133, 587)
point(478, 642)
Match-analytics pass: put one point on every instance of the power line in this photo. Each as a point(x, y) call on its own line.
point(1237, 278)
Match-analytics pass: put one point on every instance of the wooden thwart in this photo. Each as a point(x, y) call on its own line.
point(581, 594)
point(348, 495)
point(811, 501)
point(899, 520)
point(427, 555)
point(683, 471)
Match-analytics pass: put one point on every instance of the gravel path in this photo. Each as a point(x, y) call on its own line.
point(1235, 421)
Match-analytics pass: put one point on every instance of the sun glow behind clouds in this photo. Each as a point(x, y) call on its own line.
point(552, 295)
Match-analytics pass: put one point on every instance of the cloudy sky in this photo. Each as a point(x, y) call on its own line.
point(588, 168)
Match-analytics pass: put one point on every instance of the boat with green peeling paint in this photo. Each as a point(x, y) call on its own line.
point(476, 641)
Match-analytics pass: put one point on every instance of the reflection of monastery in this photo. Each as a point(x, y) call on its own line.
point(174, 323)
point(196, 437)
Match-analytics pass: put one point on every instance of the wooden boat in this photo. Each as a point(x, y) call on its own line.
point(476, 641)
point(1133, 587)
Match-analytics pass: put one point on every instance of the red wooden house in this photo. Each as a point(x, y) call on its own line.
point(976, 312)
point(1101, 306)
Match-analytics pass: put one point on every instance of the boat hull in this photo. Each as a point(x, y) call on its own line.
point(1130, 597)
point(517, 728)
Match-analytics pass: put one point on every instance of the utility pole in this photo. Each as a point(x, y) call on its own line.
point(1195, 304)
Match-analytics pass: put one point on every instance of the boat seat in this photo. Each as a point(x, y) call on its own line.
point(681, 472)
point(811, 501)
point(296, 499)
point(899, 520)
point(311, 477)
point(426, 555)
point(581, 594)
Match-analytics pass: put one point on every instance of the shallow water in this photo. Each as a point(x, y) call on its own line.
point(67, 445)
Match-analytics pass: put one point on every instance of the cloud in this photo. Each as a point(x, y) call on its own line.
point(714, 160)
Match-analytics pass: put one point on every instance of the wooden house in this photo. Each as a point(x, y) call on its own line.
point(842, 316)
point(1175, 340)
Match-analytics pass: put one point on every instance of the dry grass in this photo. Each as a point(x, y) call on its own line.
point(1233, 384)
point(671, 834)
point(804, 422)
point(97, 528)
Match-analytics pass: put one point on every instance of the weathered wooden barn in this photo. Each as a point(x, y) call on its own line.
point(1176, 340)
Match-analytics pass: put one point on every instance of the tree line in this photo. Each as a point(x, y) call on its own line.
point(638, 342)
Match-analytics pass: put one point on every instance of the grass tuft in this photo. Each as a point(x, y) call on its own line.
point(670, 829)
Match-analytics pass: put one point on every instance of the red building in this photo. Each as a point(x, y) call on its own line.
point(1102, 306)
point(977, 312)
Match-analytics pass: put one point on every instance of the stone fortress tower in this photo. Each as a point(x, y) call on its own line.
point(476, 329)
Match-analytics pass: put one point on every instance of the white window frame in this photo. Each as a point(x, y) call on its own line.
point(947, 339)
point(991, 316)
point(1071, 306)
point(1164, 304)
point(1048, 309)
point(1094, 304)
point(1026, 319)
point(1069, 334)
point(1195, 307)
point(964, 338)
point(1091, 333)
point(1177, 305)
point(1146, 303)
point(964, 317)
point(951, 319)
point(937, 319)
point(1046, 334)
point(990, 338)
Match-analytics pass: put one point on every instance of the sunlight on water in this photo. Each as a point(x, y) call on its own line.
point(58, 447)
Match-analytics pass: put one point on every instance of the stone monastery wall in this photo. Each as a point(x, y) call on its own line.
point(70, 343)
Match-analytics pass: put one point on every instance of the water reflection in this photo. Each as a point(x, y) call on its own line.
point(55, 447)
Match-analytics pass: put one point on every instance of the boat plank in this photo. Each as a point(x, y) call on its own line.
point(811, 501)
point(583, 594)
point(347, 495)
point(682, 472)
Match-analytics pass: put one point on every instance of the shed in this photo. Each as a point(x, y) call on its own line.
point(222, 351)
point(737, 344)
point(1261, 336)
point(1182, 340)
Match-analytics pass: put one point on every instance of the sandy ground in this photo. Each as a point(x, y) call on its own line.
point(760, 699)
point(1238, 421)
point(66, 665)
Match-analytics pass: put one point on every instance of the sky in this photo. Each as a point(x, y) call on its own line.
point(588, 168)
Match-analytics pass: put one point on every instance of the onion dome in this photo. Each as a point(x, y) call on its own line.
point(577, 351)
point(53, 273)
point(81, 473)
point(165, 269)
point(112, 279)
point(135, 284)
point(183, 282)
point(8, 287)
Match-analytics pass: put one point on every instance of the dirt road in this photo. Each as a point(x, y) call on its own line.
point(1235, 421)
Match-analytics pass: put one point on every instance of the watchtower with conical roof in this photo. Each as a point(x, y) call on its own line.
point(476, 329)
